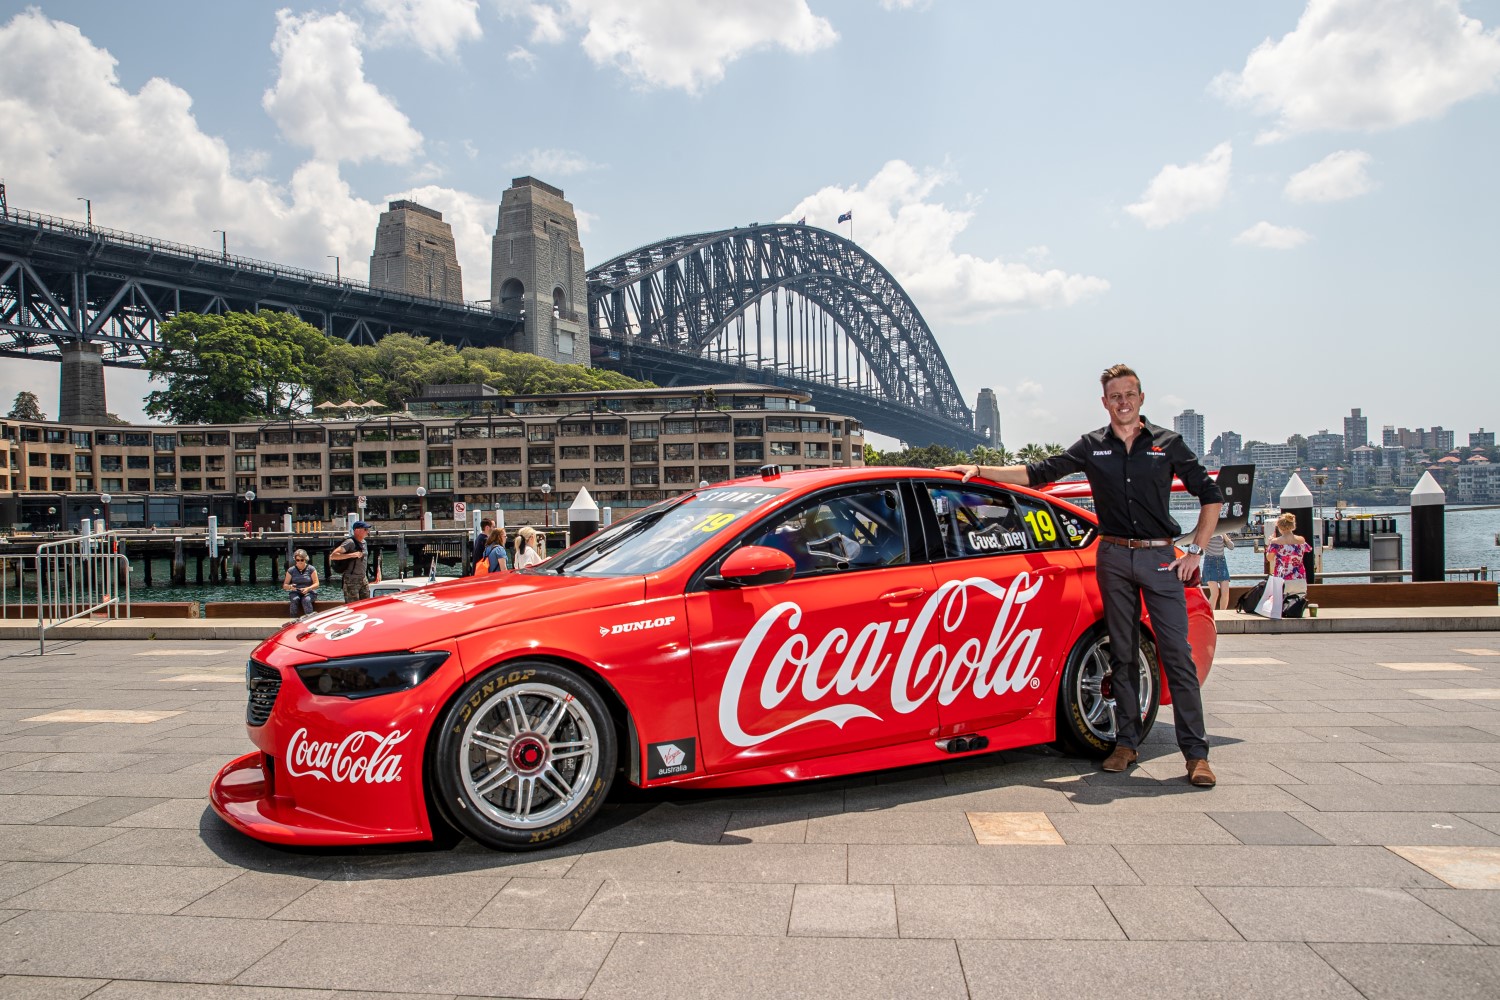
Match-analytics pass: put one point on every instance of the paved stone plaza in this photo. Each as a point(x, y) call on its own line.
point(1352, 849)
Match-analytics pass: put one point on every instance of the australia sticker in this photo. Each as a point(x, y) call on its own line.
point(667, 760)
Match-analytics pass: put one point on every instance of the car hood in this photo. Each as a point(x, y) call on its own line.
point(420, 617)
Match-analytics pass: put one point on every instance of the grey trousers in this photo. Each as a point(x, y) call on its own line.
point(1125, 577)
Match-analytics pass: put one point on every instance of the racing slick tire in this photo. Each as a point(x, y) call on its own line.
point(525, 756)
point(1085, 706)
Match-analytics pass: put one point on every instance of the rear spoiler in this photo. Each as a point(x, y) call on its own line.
point(1236, 482)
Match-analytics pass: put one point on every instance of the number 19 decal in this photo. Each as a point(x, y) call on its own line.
point(714, 522)
point(1042, 527)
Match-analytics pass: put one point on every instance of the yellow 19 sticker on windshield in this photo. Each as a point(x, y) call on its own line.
point(714, 522)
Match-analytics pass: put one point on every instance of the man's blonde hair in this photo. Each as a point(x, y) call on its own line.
point(1118, 371)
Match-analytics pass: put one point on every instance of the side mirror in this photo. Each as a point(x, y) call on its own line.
point(754, 566)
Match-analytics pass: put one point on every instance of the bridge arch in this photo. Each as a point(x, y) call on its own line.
point(837, 317)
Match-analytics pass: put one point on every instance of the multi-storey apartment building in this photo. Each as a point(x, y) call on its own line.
point(628, 447)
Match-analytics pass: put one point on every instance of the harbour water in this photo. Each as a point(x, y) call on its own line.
point(1469, 533)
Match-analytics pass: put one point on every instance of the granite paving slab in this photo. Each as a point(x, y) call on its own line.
point(844, 911)
point(537, 903)
point(124, 889)
point(1010, 911)
point(651, 966)
point(1161, 970)
point(1364, 914)
point(689, 908)
point(1372, 828)
point(1166, 913)
point(135, 946)
point(452, 960)
point(1274, 866)
point(989, 865)
point(1475, 910)
point(1416, 972)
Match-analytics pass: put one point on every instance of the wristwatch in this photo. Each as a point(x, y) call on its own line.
point(1193, 549)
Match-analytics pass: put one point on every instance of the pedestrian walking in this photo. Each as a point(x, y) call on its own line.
point(351, 557)
point(1216, 570)
point(301, 585)
point(492, 558)
point(531, 547)
point(1129, 464)
point(481, 540)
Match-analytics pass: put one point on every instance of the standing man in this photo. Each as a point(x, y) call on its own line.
point(1130, 463)
point(481, 541)
point(350, 558)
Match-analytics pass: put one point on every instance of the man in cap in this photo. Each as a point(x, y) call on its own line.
point(350, 558)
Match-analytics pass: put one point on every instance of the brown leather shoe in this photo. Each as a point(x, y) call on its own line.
point(1119, 760)
point(1200, 774)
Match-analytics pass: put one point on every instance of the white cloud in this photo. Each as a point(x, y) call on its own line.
point(323, 101)
point(679, 44)
point(437, 27)
point(897, 222)
point(1179, 191)
point(1269, 237)
point(1366, 64)
point(906, 4)
point(141, 157)
point(544, 163)
point(1335, 177)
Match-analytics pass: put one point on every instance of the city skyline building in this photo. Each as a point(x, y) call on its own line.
point(1356, 430)
point(1189, 424)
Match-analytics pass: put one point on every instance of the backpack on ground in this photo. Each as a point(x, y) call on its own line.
point(1250, 598)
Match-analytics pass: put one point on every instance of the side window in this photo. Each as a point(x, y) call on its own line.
point(854, 531)
point(976, 521)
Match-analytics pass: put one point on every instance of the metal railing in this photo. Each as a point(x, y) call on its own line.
point(80, 577)
point(1460, 572)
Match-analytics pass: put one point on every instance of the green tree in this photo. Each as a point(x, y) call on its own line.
point(927, 457)
point(985, 455)
point(514, 373)
point(228, 368)
point(1032, 453)
point(26, 407)
point(872, 457)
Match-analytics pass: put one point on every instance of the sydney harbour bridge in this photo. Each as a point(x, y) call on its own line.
point(780, 304)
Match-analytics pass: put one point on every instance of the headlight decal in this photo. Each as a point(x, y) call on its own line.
point(368, 676)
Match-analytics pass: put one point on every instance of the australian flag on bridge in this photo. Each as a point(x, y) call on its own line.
point(847, 216)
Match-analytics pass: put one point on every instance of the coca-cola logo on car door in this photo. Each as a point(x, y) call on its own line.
point(967, 635)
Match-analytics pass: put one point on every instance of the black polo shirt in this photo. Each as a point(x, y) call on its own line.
point(1132, 490)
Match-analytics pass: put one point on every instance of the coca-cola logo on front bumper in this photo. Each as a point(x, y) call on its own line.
point(361, 757)
point(945, 650)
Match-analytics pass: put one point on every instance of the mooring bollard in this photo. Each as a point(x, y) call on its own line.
point(1297, 500)
point(1427, 543)
point(583, 517)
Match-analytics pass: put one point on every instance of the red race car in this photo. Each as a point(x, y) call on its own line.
point(776, 628)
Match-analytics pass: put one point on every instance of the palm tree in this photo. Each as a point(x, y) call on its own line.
point(1000, 456)
point(1033, 453)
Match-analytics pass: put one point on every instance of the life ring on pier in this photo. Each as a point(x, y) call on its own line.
point(1338, 515)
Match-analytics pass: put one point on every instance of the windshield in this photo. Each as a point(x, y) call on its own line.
point(659, 536)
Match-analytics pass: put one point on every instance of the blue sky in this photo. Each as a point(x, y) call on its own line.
point(1276, 211)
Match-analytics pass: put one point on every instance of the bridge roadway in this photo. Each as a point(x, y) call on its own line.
point(62, 282)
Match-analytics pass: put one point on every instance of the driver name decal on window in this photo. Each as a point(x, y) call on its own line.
point(967, 635)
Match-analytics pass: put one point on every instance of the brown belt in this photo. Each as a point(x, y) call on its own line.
point(1136, 543)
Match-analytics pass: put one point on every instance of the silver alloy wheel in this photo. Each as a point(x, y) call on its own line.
point(530, 754)
point(1096, 699)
